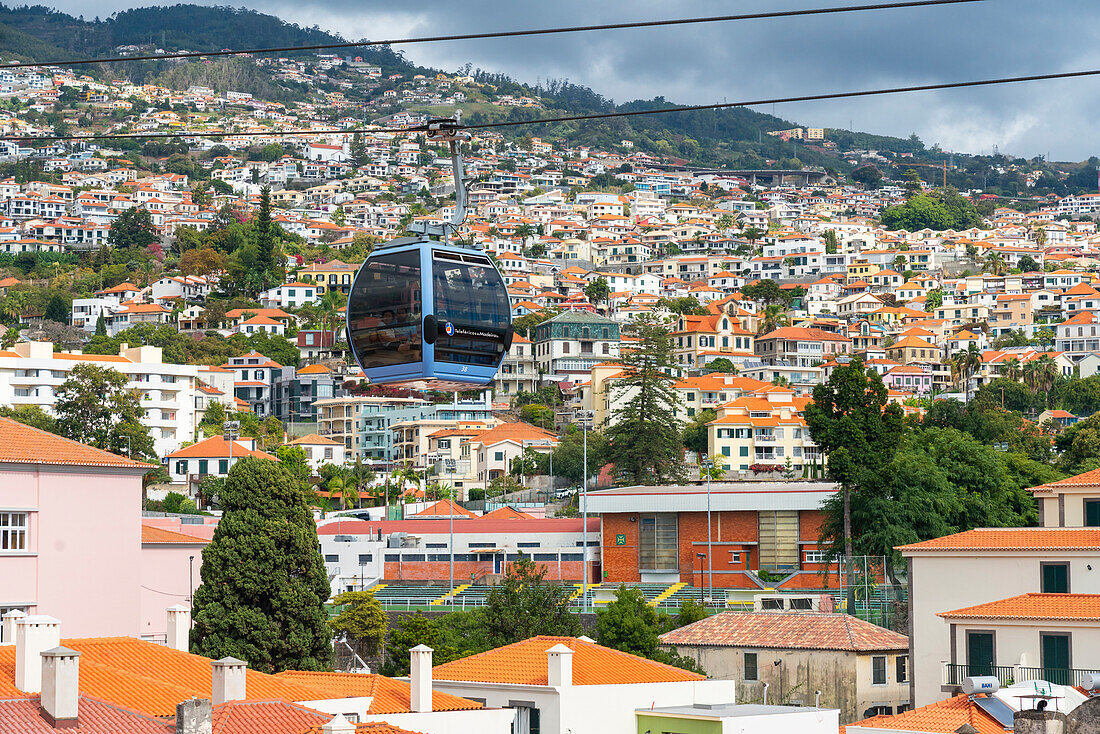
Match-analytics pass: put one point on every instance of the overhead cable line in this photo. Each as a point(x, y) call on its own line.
point(578, 118)
point(500, 34)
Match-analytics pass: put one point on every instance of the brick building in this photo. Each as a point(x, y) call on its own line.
point(659, 534)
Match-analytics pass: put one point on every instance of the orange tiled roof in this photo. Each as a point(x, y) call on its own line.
point(788, 630)
point(149, 678)
point(153, 534)
point(314, 369)
point(524, 663)
point(269, 717)
point(517, 432)
point(444, 508)
point(314, 439)
point(216, 447)
point(21, 444)
point(942, 716)
point(1088, 479)
point(1076, 607)
point(390, 696)
point(1046, 539)
point(24, 715)
point(507, 513)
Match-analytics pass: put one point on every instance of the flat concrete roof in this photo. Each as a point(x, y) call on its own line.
point(725, 496)
point(730, 710)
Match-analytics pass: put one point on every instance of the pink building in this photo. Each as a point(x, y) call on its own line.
point(170, 563)
point(70, 532)
point(908, 378)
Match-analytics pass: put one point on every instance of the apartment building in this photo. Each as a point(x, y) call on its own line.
point(765, 428)
point(801, 346)
point(519, 371)
point(31, 372)
point(700, 339)
point(570, 344)
point(362, 423)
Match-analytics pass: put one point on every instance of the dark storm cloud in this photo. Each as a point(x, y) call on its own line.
point(754, 59)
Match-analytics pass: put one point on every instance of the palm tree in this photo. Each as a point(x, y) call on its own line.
point(996, 264)
point(524, 231)
point(1011, 369)
point(404, 474)
point(331, 300)
point(1046, 372)
point(1031, 374)
point(965, 363)
point(774, 317)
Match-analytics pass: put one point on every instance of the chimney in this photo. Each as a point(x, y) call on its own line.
point(7, 626)
point(33, 636)
point(61, 687)
point(559, 665)
point(420, 678)
point(179, 627)
point(338, 725)
point(229, 680)
point(194, 717)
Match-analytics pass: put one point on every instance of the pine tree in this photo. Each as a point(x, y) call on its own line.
point(263, 581)
point(101, 326)
point(645, 432)
point(358, 150)
point(265, 235)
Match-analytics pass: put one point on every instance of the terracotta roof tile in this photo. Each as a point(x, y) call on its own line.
point(216, 447)
point(943, 716)
point(507, 513)
point(1076, 607)
point(787, 630)
point(151, 534)
point(524, 663)
point(390, 696)
point(265, 717)
point(444, 508)
point(1088, 479)
point(21, 444)
point(1047, 539)
point(23, 715)
point(314, 439)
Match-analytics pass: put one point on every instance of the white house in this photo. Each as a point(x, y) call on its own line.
point(213, 456)
point(290, 295)
point(320, 451)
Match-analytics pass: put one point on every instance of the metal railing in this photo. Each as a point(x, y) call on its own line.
point(954, 673)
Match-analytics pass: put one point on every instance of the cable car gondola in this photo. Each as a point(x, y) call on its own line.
point(428, 311)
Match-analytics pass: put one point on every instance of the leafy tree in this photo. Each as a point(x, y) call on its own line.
point(695, 432)
point(1006, 393)
point(645, 432)
point(830, 242)
point(722, 365)
point(937, 210)
point(1078, 396)
point(933, 299)
point(1079, 446)
point(133, 229)
point(525, 605)
point(569, 454)
point(57, 309)
point(597, 291)
point(409, 631)
point(851, 421)
point(868, 176)
point(95, 407)
point(1027, 264)
point(765, 291)
point(362, 621)
point(201, 261)
point(629, 624)
point(538, 415)
point(30, 415)
point(101, 326)
point(263, 581)
point(683, 305)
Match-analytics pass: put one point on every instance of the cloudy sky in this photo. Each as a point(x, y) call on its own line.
point(783, 57)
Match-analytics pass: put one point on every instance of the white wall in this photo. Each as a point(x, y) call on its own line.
point(943, 582)
point(477, 721)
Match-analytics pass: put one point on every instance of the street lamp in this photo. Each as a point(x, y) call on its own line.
point(707, 464)
point(583, 417)
point(231, 430)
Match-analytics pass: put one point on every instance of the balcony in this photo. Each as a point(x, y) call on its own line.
point(764, 438)
point(953, 674)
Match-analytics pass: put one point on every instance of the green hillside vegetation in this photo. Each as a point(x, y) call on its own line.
point(20, 46)
point(240, 75)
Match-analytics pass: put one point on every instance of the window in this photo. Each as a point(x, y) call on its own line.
point(385, 328)
point(13, 531)
point(366, 557)
point(1055, 653)
point(778, 538)
point(750, 666)
point(498, 456)
point(204, 466)
point(815, 556)
point(436, 545)
point(528, 545)
point(332, 558)
point(1092, 513)
point(878, 670)
point(181, 467)
point(223, 466)
point(1055, 578)
point(735, 557)
point(657, 542)
point(328, 453)
point(901, 668)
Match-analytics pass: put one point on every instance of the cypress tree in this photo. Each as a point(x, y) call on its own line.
point(263, 580)
point(265, 237)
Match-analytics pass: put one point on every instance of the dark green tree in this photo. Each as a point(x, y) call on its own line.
point(765, 291)
point(869, 176)
point(631, 625)
point(133, 228)
point(57, 309)
point(695, 432)
point(409, 631)
point(30, 415)
point(858, 431)
point(1027, 264)
point(525, 604)
point(101, 326)
point(264, 584)
point(645, 432)
point(264, 232)
point(722, 365)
